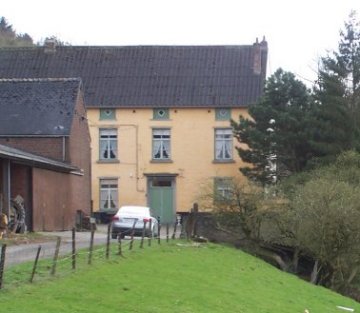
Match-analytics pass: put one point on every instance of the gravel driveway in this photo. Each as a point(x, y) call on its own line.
point(26, 252)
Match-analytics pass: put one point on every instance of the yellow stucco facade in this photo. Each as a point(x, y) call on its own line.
point(192, 153)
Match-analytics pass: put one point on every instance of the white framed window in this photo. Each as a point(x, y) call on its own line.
point(223, 144)
point(223, 189)
point(108, 144)
point(161, 144)
point(108, 194)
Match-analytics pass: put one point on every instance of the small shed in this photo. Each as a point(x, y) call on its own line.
point(44, 151)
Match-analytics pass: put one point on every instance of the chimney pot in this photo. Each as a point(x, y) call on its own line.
point(50, 45)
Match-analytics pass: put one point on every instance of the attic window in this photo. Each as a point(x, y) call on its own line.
point(222, 114)
point(107, 114)
point(161, 114)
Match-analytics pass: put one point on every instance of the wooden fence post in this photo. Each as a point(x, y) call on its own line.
point(91, 248)
point(73, 241)
point(159, 229)
point(35, 264)
point(167, 232)
point(56, 255)
point(108, 241)
point(174, 233)
point(2, 264)
point(119, 244)
point(132, 236)
point(151, 233)
point(143, 235)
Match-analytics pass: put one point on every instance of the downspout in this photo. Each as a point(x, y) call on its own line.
point(137, 159)
point(64, 148)
point(137, 171)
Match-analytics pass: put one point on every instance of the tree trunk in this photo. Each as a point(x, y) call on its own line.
point(315, 273)
point(295, 261)
point(352, 275)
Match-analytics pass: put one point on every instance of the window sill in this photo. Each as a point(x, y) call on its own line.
point(106, 211)
point(108, 161)
point(223, 161)
point(161, 161)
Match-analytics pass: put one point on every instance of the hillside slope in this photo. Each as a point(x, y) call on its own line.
point(176, 277)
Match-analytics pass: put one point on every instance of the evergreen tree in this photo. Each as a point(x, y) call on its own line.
point(8, 36)
point(277, 135)
point(337, 96)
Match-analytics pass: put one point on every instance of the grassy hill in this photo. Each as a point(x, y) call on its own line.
point(178, 278)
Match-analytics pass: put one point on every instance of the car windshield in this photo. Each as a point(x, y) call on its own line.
point(134, 211)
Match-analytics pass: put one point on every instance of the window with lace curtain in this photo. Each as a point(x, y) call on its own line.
point(223, 144)
point(161, 144)
point(108, 144)
point(108, 194)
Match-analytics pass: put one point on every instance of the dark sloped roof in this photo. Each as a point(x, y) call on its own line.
point(35, 160)
point(37, 107)
point(148, 76)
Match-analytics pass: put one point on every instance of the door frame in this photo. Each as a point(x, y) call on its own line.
point(170, 176)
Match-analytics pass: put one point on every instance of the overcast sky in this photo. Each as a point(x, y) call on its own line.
point(298, 32)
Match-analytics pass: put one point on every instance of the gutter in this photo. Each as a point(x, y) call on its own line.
point(36, 161)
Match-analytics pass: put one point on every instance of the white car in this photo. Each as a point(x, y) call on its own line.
point(123, 222)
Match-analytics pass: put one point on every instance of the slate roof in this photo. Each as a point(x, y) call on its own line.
point(148, 76)
point(35, 160)
point(37, 107)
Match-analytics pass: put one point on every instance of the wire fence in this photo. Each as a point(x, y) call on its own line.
point(34, 263)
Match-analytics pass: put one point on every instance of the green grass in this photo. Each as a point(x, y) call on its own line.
point(173, 278)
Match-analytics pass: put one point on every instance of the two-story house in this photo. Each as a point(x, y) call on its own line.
point(159, 116)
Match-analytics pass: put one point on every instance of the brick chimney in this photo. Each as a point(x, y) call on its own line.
point(260, 56)
point(50, 45)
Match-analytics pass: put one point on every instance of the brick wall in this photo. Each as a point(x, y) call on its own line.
point(47, 147)
point(79, 155)
point(57, 196)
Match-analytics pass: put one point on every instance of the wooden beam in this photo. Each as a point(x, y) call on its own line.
point(6, 191)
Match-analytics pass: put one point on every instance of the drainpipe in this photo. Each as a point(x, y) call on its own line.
point(136, 154)
point(63, 148)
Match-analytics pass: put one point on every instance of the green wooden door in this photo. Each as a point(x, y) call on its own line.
point(161, 201)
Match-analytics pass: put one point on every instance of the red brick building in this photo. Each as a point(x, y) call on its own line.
point(44, 150)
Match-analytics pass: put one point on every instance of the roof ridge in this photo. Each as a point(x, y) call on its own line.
point(39, 79)
point(134, 46)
